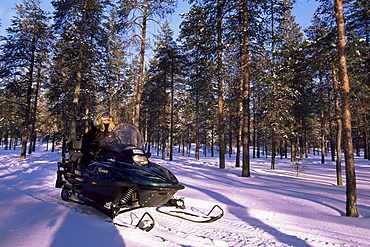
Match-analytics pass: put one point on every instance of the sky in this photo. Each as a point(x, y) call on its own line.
point(303, 11)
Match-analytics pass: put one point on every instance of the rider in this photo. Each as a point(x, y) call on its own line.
point(102, 132)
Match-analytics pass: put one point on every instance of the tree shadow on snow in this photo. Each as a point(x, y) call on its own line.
point(282, 237)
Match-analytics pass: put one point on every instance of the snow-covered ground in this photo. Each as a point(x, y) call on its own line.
point(271, 208)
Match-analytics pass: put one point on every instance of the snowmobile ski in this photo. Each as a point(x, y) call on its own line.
point(145, 223)
point(191, 215)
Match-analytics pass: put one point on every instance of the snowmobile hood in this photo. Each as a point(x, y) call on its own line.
point(152, 175)
point(128, 162)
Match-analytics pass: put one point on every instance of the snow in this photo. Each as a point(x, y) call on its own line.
point(271, 208)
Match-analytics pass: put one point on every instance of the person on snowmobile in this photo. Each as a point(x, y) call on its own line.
point(101, 132)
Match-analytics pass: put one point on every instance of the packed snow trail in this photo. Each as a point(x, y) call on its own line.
point(272, 208)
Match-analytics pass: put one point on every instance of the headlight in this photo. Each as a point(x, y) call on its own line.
point(140, 160)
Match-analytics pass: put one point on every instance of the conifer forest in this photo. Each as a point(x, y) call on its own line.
point(242, 78)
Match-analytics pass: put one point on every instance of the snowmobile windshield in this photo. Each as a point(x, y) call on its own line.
point(129, 135)
point(128, 144)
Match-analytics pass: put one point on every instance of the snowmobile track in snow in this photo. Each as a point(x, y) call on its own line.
point(219, 233)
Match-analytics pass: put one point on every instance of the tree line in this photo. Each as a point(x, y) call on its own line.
point(241, 74)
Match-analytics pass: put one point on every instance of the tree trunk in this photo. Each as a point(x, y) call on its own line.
point(163, 122)
point(221, 125)
point(76, 100)
point(240, 113)
point(140, 83)
point(351, 194)
point(246, 111)
point(338, 120)
point(273, 150)
point(307, 148)
point(197, 146)
point(293, 150)
point(77, 86)
point(33, 118)
point(25, 129)
point(212, 141)
point(230, 139)
point(170, 143)
point(322, 138)
point(332, 147)
point(238, 139)
point(366, 144)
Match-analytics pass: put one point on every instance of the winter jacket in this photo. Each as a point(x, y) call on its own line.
point(96, 139)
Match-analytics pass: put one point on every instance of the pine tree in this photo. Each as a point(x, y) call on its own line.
point(358, 54)
point(24, 55)
point(78, 26)
point(164, 76)
point(351, 194)
point(114, 86)
point(245, 64)
point(291, 64)
point(197, 36)
point(277, 37)
point(136, 15)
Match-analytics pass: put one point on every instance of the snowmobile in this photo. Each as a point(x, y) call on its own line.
point(120, 178)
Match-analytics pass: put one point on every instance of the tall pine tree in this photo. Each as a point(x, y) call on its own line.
point(80, 36)
point(24, 57)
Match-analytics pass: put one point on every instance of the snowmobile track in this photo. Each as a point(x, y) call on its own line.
point(219, 233)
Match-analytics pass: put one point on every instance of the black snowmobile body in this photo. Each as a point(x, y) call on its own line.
point(120, 176)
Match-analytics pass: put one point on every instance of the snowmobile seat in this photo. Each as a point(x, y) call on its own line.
point(75, 165)
point(74, 151)
point(73, 146)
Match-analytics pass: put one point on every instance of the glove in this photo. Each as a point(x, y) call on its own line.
point(102, 145)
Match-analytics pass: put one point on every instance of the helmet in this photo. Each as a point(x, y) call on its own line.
point(105, 114)
point(98, 123)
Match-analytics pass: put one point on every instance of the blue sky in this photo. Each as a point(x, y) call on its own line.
point(303, 11)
